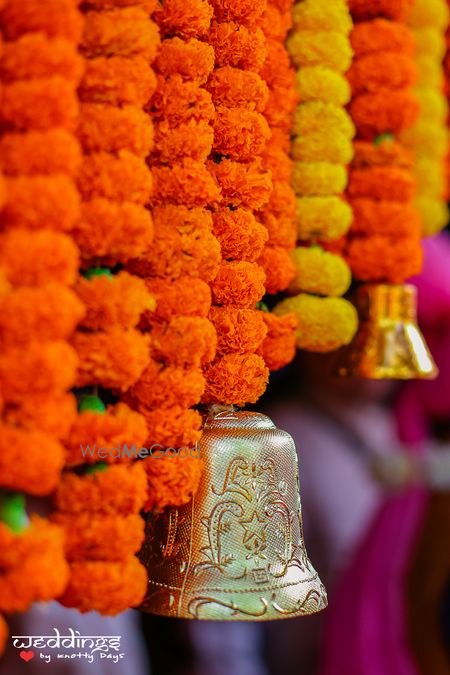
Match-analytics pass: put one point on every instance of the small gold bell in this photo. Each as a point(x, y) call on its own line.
point(236, 551)
point(389, 344)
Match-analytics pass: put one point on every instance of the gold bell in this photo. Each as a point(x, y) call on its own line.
point(236, 551)
point(389, 344)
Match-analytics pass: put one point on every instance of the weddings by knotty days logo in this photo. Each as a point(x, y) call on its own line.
point(73, 646)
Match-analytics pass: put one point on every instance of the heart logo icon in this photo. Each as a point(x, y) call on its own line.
point(26, 656)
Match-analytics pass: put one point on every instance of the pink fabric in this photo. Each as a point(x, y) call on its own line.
point(367, 632)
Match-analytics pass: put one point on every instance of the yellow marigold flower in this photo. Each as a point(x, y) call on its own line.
point(318, 83)
point(324, 218)
point(317, 15)
point(426, 138)
point(433, 104)
point(329, 49)
point(318, 178)
point(429, 13)
point(430, 41)
point(325, 324)
point(430, 73)
point(326, 118)
point(337, 148)
point(434, 214)
point(430, 176)
point(320, 272)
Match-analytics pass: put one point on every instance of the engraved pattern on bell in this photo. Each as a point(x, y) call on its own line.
point(389, 343)
point(236, 552)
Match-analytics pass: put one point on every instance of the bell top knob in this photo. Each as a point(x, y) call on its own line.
point(229, 419)
point(389, 301)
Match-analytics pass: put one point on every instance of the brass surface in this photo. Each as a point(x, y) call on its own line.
point(389, 343)
point(236, 551)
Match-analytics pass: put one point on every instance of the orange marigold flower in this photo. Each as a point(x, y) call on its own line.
point(247, 185)
point(185, 342)
point(122, 177)
point(100, 537)
point(279, 346)
point(107, 587)
point(236, 379)
point(39, 104)
point(35, 471)
point(117, 80)
point(52, 414)
point(120, 32)
point(379, 35)
point(35, 258)
point(191, 139)
point(244, 12)
point(192, 59)
point(4, 634)
point(121, 489)
point(51, 311)
point(173, 427)
point(280, 216)
point(38, 571)
point(43, 152)
point(238, 284)
point(59, 18)
point(148, 5)
point(376, 259)
point(34, 55)
point(185, 296)
point(281, 106)
point(105, 127)
point(278, 267)
point(183, 245)
point(114, 359)
point(240, 235)
point(384, 112)
point(52, 202)
point(382, 182)
point(172, 481)
point(388, 70)
point(387, 153)
point(278, 161)
point(275, 24)
point(113, 232)
point(38, 369)
point(386, 218)
point(177, 101)
point(238, 330)
point(189, 183)
point(239, 133)
point(167, 386)
point(237, 88)
point(397, 10)
point(119, 300)
point(188, 19)
point(277, 70)
point(235, 45)
point(115, 427)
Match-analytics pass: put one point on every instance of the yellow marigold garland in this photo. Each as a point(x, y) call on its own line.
point(428, 138)
point(322, 147)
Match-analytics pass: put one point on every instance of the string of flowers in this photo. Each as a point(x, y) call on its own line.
point(119, 43)
point(238, 375)
point(184, 256)
point(322, 147)
point(39, 156)
point(428, 138)
point(384, 241)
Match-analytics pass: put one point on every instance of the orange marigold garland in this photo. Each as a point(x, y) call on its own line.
point(322, 147)
point(383, 244)
point(115, 182)
point(428, 137)
point(40, 71)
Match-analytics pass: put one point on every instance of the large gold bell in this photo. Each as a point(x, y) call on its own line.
point(236, 551)
point(389, 344)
